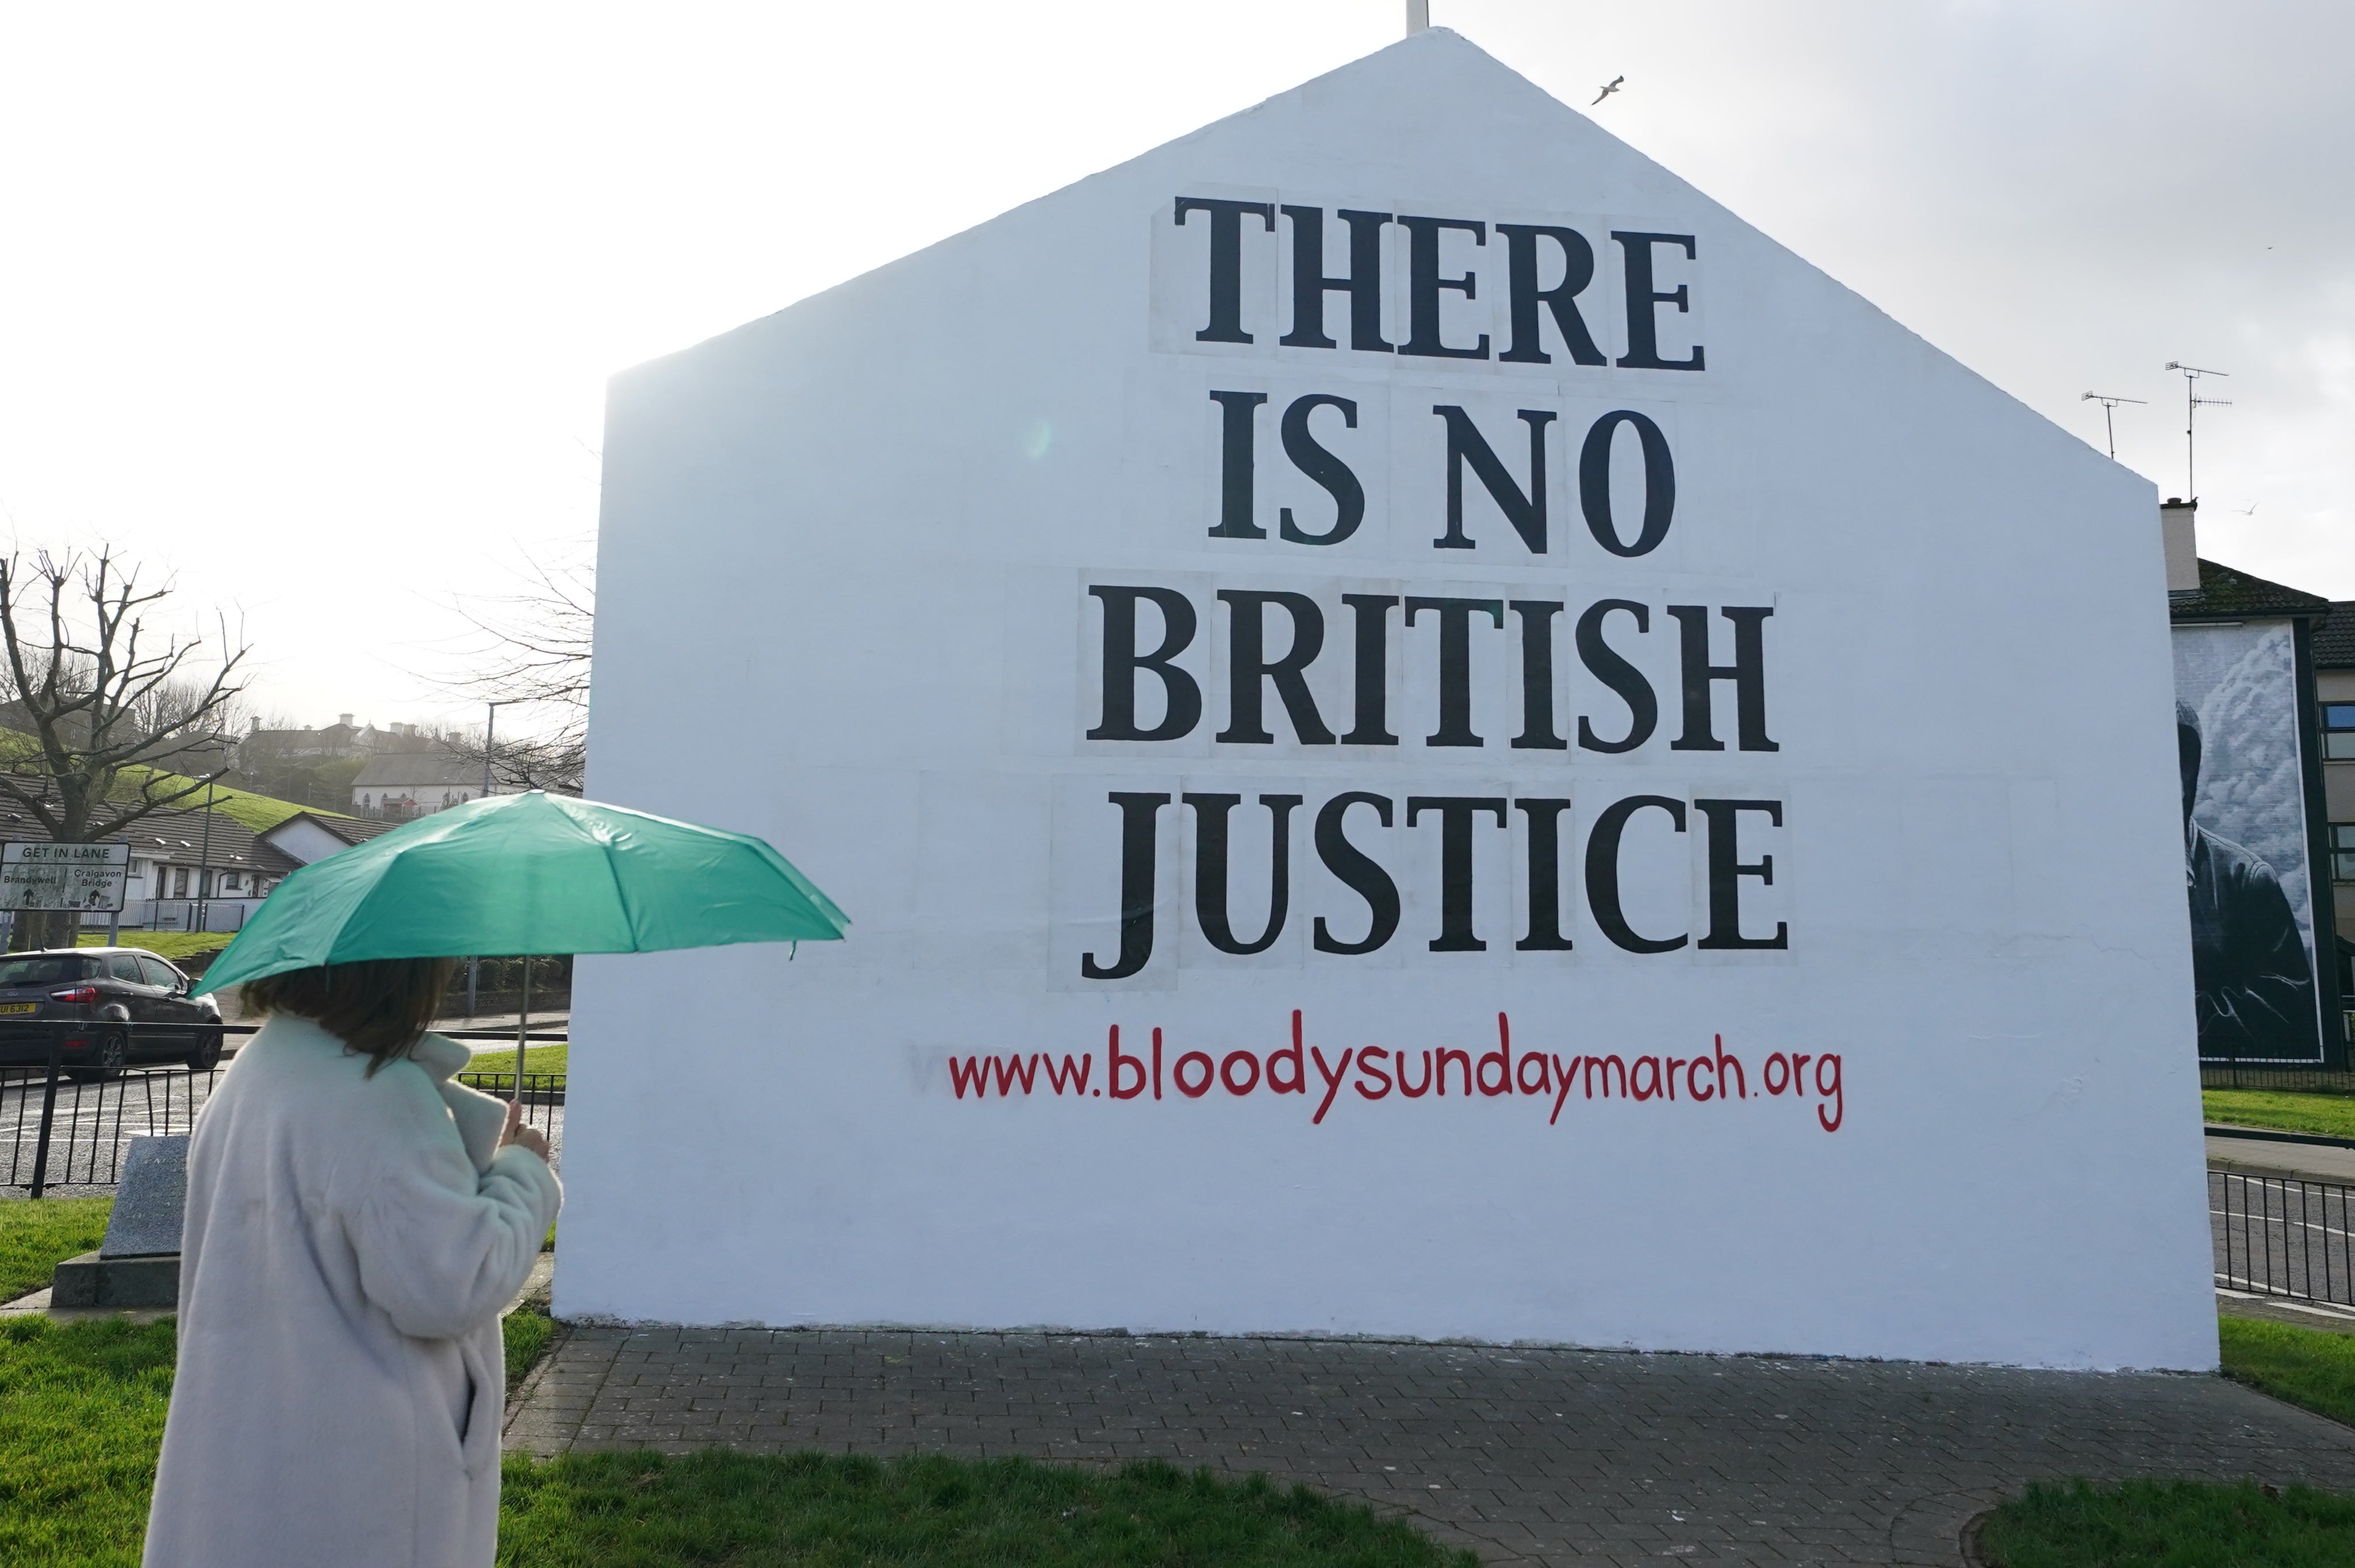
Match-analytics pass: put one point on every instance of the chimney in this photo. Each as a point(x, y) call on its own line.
point(2179, 536)
point(346, 719)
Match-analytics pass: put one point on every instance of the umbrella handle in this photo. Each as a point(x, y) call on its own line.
point(523, 1029)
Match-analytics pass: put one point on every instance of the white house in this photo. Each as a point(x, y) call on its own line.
point(185, 871)
point(400, 784)
point(306, 836)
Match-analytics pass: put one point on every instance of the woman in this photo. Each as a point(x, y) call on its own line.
point(356, 1225)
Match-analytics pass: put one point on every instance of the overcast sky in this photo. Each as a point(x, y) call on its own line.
point(312, 306)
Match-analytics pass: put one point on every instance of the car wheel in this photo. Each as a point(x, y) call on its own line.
point(113, 1049)
point(206, 1056)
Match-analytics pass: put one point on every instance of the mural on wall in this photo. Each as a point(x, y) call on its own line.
point(2246, 854)
point(1428, 735)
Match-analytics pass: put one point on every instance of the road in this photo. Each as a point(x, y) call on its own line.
point(2278, 1236)
point(94, 1124)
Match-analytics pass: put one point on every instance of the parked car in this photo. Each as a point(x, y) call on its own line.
point(105, 989)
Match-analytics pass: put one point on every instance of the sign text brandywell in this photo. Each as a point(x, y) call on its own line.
point(63, 876)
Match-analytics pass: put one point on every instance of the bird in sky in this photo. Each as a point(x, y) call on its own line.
point(1608, 91)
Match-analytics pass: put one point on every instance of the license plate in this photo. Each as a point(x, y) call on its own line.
point(21, 1007)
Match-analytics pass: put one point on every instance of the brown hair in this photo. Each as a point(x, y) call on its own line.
point(378, 1007)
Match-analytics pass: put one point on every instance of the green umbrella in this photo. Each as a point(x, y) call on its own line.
point(529, 874)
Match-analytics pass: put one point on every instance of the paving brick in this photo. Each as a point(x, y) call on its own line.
point(1526, 1454)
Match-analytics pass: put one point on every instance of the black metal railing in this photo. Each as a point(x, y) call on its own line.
point(68, 1125)
point(2288, 1077)
point(539, 1089)
point(2277, 1236)
point(65, 1131)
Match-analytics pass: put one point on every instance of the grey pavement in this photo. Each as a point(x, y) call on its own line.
point(2318, 1315)
point(557, 1021)
point(1528, 1456)
point(2269, 1157)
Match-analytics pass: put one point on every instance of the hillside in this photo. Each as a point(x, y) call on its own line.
point(258, 813)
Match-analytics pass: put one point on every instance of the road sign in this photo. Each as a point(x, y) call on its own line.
point(63, 876)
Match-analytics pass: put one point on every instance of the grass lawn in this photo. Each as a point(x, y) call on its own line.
point(36, 1237)
point(2305, 1366)
point(179, 947)
point(2170, 1524)
point(528, 1331)
point(2330, 1115)
point(812, 1510)
point(489, 1058)
point(81, 1416)
point(2180, 1524)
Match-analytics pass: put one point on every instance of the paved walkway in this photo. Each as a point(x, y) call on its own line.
point(558, 1023)
point(2271, 1156)
point(1527, 1456)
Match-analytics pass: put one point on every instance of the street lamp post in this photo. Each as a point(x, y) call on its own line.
point(227, 745)
point(490, 737)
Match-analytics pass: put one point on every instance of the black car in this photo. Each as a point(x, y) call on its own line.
point(103, 988)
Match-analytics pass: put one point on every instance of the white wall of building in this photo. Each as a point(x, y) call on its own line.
point(858, 538)
point(413, 800)
point(305, 840)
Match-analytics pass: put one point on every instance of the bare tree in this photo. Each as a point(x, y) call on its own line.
point(101, 707)
point(533, 656)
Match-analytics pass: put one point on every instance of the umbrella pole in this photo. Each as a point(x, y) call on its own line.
point(523, 1026)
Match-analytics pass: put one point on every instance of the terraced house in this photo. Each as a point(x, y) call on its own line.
point(2265, 681)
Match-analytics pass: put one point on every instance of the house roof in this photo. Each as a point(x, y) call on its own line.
point(2334, 638)
point(2225, 594)
point(417, 770)
point(351, 830)
point(232, 847)
point(176, 837)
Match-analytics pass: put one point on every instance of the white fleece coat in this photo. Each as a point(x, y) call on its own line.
point(350, 1244)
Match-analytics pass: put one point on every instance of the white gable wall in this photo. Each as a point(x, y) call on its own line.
point(856, 537)
point(305, 840)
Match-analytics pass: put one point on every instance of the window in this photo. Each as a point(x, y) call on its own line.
point(179, 882)
point(124, 966)
point(2342, 852)
point(2338, 732)
point(159, 973)
point(44, 971)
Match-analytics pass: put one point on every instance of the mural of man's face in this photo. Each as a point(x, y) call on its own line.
point(2187, 750)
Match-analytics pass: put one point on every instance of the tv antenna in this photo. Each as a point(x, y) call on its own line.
point(2193, 404)
point(2109, 407)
